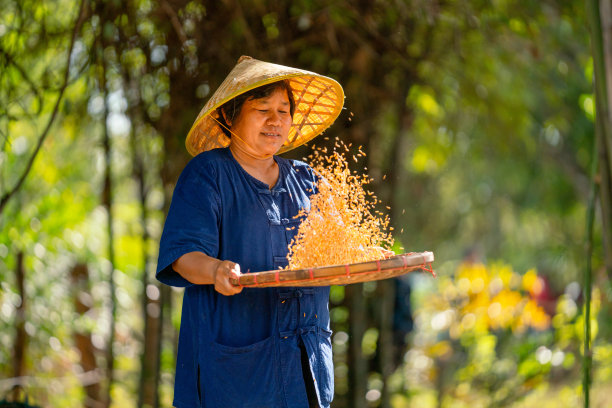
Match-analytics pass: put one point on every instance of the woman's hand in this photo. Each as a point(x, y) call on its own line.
point(226, 270)
point(201, 269)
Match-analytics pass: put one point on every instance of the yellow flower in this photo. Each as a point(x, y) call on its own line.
point(532, 283)
point(533, 315)
point(504, 308)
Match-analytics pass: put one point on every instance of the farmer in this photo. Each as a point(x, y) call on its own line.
point(233, 212)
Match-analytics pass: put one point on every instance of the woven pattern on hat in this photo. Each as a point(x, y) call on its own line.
point(318, 102)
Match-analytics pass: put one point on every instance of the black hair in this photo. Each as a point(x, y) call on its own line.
point(230, 110)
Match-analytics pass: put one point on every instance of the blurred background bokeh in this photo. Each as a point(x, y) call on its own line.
point(478, 120)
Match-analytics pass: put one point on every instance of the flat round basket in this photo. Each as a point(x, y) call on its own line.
point(339, 274)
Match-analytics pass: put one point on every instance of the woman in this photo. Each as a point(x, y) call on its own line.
point(233, 210)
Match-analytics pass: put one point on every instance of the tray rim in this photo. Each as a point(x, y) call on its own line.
point(271, 278)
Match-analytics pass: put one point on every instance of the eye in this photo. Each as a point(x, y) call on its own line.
point(262, 110)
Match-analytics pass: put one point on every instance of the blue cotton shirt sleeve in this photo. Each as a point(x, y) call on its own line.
point(193, 221)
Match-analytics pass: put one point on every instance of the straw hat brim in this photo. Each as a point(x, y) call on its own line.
point(318, 102)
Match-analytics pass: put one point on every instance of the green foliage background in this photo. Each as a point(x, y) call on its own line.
point(477, 117)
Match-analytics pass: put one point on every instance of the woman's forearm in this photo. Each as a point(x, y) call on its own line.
point(197, 268)
point(201, 269)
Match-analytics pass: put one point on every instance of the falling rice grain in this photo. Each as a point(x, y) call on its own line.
point(341, 212)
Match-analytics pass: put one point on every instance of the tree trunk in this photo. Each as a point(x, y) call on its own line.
point(107, 203)
point(358, 372)
point(148, 391)
point(148, 395)
point(20, 335)
point(387, 288)
point(79, 277)
point(384, 349)
point(440, 383)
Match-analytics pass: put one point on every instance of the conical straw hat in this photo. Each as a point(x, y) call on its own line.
point(318, 102)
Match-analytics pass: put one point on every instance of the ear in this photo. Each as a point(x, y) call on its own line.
point(227, 121)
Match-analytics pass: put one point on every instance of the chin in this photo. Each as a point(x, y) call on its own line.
point(272, 152)
point(270, 149)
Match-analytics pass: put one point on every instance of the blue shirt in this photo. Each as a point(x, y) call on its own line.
point(244, 349)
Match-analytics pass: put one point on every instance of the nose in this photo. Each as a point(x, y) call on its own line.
point(274, 119)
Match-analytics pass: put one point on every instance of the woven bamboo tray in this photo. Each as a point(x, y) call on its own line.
point(340, 274)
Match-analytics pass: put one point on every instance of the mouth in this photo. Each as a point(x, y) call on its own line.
point(270, 134)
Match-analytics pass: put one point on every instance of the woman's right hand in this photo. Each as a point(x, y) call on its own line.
point(201, 269)
point(224, 271)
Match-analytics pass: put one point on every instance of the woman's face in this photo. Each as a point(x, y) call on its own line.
point(263, 124)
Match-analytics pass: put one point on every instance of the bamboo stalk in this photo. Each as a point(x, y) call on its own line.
point(601, 152)
point(605, 199)
point(587, 356)
point(605, 62)
point(604, 133)
point(599, 63)
point(605, 138)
